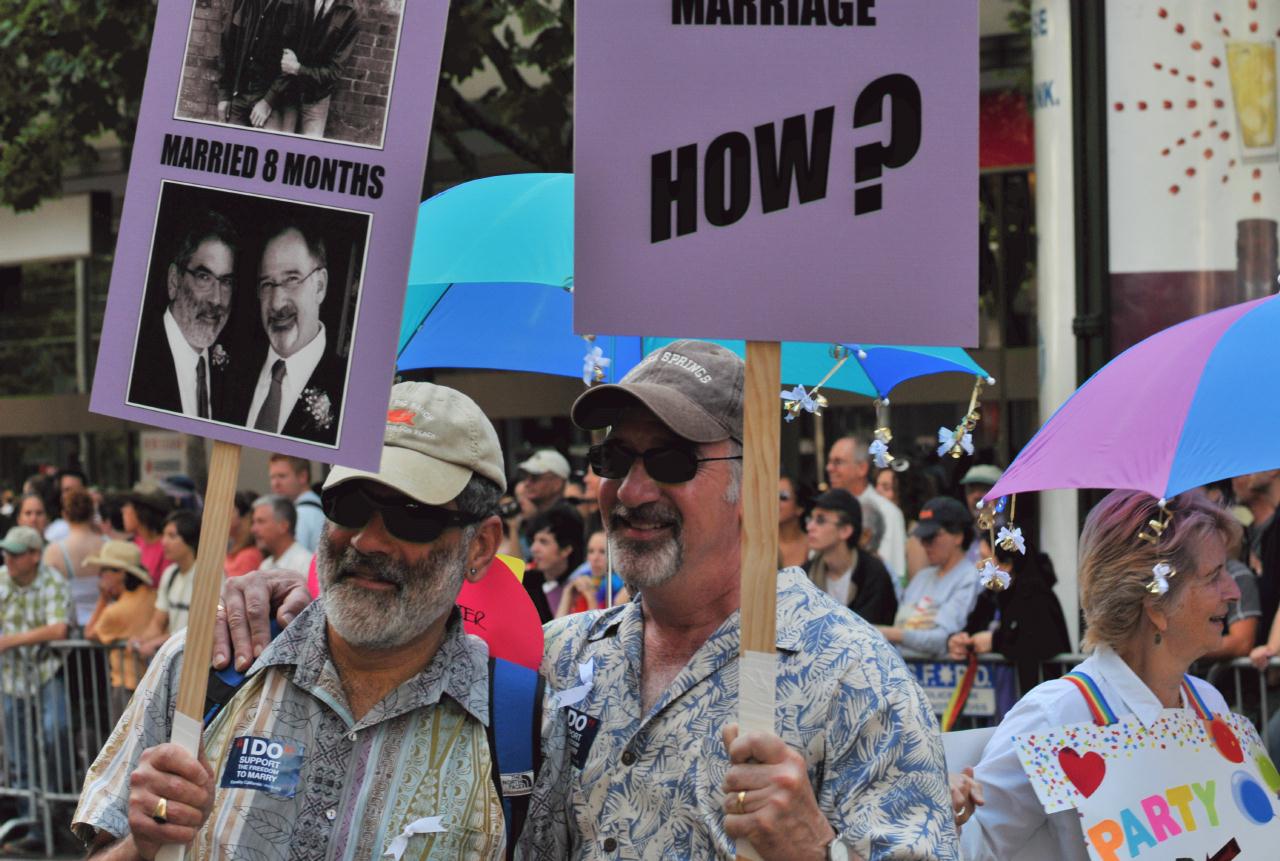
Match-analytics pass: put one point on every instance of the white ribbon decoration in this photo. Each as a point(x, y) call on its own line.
point(947, 441)
point(803, 398)
point(575, 695)
point(879, 453)
point(993, 576)
point(594, 360)
point(425, 825)
point(1014, 539)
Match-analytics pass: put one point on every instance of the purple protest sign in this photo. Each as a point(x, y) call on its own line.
point(265, 241)
point(802, 170)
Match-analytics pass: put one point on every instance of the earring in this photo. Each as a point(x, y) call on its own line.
point(1158, 637)
point(473, 571)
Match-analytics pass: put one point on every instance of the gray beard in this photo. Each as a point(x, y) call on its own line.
point(388, 620)
point(646, 564)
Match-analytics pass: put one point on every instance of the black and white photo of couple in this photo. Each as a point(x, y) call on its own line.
point(249, 312)
point(317, 68)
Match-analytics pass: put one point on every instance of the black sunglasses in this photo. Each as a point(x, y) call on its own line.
point(351, 507)
point(668, 464)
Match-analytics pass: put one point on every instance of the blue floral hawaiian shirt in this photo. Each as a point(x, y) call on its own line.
point(616, 783)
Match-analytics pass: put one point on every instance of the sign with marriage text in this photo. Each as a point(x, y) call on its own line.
point(777, 170)
point(264, 246)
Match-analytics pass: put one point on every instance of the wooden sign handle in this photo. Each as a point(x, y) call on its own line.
point(215, 524)
point(761, 442)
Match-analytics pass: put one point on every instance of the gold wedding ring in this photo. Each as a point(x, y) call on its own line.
point(742, 801)
point(162, 808)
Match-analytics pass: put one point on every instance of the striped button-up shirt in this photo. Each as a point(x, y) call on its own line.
point(299, 778)
point(619, 783)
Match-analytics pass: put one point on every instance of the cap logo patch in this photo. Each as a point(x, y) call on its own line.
point(927, 514)
point(400, 417)
point(684, 362)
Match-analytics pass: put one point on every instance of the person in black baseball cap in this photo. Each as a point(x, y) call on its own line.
point(938, 600)
point(857, 579)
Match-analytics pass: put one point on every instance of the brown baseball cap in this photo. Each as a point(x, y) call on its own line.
point(693, 387)
point(436, 438)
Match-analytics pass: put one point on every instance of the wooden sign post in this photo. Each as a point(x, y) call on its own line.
point(761, 442)
point(215, 524)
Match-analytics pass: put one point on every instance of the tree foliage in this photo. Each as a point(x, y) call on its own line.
point(70, 71)
point(529, 45)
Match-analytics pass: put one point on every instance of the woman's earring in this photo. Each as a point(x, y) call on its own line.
point(1158, 637)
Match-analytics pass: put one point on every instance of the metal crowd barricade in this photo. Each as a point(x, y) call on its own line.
point(1244, 686)
point(1248, 692)
point(59, 707)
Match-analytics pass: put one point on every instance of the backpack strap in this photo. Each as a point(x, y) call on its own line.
point(223, 684)
point(515, 739)
point(1098, 706)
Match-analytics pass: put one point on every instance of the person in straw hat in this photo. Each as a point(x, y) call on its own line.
point(126, 602)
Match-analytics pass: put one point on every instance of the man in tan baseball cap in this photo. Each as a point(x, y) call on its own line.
point(377, 669)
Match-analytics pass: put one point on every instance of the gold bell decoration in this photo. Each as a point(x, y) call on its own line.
point(594, 362)
point(959, 442)
point(797, 400)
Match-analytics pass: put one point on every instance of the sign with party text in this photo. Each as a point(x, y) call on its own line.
point(1181, 788)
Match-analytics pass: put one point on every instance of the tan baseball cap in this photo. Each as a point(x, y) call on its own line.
point(693, 387)
point(436, 438)
point(121, 555)
point(546, 460)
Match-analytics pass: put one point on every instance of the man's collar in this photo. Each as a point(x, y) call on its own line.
point(309, 356)
point(459, 668)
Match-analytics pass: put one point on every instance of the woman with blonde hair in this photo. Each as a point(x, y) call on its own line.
point(1151, 608)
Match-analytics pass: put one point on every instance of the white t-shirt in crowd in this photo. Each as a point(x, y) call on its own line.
point(296, 558)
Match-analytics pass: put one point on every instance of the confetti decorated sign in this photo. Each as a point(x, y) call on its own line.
point(1179, 788)
point(777, 170)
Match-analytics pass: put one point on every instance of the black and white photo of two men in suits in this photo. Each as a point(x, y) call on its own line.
point(249, 312)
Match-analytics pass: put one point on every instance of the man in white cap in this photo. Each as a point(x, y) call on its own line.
point(977, 483)
point(541, 481)
point(633, 760)
point(34, 608)
point(361, 729)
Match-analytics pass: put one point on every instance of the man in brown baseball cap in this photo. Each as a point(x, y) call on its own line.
point(367, 692)
point(628, 765)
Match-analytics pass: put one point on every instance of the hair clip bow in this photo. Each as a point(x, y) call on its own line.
point(993, 576)
point(1160, 574)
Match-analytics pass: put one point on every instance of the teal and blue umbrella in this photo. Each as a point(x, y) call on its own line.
point(491, 286)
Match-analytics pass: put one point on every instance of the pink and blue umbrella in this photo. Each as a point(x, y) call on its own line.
point(1188, 406)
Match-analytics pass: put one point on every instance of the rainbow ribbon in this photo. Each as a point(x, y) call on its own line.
point(960, 695)
point(1098, 705)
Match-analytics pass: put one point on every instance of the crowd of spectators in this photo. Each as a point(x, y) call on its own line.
point(898, 546)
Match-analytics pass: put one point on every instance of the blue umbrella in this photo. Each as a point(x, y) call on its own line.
point(490, 286)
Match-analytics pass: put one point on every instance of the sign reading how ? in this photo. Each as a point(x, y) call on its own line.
point(777, 170)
